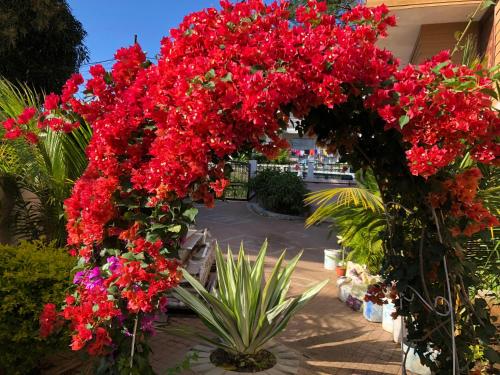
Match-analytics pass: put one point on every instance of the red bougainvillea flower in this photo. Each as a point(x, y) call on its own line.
point(48, 320)
point(461, 192)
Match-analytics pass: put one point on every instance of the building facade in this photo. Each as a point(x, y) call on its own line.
point(426, 27)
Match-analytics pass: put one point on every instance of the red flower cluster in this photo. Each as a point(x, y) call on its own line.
point(88, 312)
point(15, 128)
point(48, 320)
point(442, 110)
point(461, 193)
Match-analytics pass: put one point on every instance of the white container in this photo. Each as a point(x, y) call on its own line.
point(398, 332)
point(345, 291)
point(387, 321)
point(372, 312)
point(413, 363)
point(331, 258)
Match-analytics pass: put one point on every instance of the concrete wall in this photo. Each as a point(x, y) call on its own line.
point(438, 37)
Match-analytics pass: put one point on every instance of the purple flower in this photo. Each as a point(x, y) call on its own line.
point(113, 263)
point(78, 277)
point(147, 324)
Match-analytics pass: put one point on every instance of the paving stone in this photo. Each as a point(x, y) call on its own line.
point(202, 368)
point(332, 338)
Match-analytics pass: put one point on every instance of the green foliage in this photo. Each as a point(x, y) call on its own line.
point(184, 365)
point(38, 177)
point(359, 219)
point(245, 311)
point(334, 6)
point(281, 192)
point(31, 274)
point(42, 43)
point(282, 158)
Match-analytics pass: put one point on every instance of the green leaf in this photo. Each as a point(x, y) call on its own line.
point(209, 85)
point(490, 92)
point(129, 256)
point(487, 3)
point(492, 355)
point(255, 68)
point(190, 213)
point(210, 74)
point(175, 228)
point(403, 120)
point(438, 67)
point(157, 226)
point(227, 78)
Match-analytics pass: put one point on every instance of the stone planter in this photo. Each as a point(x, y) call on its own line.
point(287, 361)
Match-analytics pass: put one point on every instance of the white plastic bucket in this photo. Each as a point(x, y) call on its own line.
point(413, 363)
point(372, 312)
point(344, 292)
point(398, 331)
point(331, 258)
point(387, 321)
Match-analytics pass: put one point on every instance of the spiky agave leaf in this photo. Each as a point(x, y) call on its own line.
point(245, 311)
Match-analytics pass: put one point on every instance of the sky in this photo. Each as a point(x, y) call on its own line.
point(112, 24)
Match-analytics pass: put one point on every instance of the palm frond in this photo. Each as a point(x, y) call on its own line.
point(331, 200)
point(46, 170)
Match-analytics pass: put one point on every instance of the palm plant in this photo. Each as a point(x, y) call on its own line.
point(38, 177)
point(245, 312)
point(358, 215)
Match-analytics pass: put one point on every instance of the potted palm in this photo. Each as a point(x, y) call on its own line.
point(341, 267)
point(244, 313)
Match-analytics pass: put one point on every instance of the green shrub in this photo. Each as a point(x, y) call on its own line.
point(281, 192)
point(31, 274)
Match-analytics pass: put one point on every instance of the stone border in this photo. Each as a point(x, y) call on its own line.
point(257, 209)
point(287, 361)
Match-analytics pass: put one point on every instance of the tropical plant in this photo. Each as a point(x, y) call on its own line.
point(358, 215)
point(38, 176)
point(245, 311)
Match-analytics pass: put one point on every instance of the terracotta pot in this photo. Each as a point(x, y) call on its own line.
point(287, 361)
point(340, 270)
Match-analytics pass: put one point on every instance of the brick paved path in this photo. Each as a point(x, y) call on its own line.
point(331, 338)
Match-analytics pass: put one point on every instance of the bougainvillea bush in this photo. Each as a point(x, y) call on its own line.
point(225, 81)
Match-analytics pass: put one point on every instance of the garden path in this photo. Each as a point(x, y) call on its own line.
point(330, 337)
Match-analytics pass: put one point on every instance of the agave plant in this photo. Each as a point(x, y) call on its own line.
point(246, 311)
point(38, 177)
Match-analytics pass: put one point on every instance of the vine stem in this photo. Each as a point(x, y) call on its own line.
point(452, 318)
point(450, 299)
point(132, 350)
point(469, 23)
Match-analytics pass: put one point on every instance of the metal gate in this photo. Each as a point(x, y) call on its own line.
point(239, 177)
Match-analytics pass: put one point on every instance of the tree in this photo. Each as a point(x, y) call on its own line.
point(41, 43)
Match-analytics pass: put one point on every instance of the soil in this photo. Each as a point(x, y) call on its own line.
point(260, 361)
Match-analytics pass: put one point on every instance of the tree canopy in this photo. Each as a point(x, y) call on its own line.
point(41, 42)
